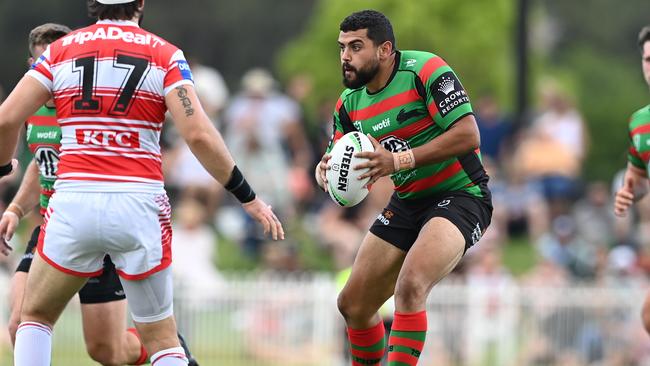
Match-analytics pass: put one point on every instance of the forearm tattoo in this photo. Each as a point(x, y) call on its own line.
point(187, 103)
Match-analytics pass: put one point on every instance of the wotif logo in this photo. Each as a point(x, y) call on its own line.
point(342, 184)
point(47, 135)
point(109, 138)
point(381, 125)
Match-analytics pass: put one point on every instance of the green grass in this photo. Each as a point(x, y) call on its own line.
point(519, 255)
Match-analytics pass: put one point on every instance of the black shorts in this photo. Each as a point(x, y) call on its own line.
point(401, 221)
point(101, 289)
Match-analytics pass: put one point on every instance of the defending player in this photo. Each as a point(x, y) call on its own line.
point(112, 83)
point(421, 124)
point(103, 304)
point(635, 182)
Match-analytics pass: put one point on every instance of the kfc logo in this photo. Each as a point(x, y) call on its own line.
point(109, 138)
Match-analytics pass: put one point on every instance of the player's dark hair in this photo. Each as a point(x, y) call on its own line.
point(45, 34)
point(644, 36)
point(379, 28)
point(114, 12)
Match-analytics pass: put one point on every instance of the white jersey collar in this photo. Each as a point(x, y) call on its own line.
point(118, 22)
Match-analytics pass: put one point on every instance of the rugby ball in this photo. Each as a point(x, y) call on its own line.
point(342, 183)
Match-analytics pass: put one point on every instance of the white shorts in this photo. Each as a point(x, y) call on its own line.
point(82, 227)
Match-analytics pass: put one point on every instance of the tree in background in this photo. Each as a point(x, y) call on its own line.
point(476, 37)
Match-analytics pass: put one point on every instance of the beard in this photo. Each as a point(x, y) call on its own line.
point(362, 76)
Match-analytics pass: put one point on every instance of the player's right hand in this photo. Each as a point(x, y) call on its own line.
point(321, 169)
point(624, 199)
point(263, 213)
point(8, 224)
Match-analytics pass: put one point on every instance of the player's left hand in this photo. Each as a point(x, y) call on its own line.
point(263, 214)
point(380, 162)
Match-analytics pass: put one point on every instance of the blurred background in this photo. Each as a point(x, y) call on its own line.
point(556, 280)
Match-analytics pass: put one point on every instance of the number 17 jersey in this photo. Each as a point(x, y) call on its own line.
point(109, 82)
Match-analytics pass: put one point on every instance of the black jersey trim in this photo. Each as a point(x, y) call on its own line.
point(475, 171)
point(346, 122)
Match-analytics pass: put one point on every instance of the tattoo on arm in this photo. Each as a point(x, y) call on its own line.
point(187, 103)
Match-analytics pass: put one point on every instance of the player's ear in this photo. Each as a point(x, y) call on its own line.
point(385, 49)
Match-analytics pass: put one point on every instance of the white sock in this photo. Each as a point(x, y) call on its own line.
point(33, 345)
point(169, 357)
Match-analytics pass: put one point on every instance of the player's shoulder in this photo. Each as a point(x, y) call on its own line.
point(345, 97)
point(640, 117)
point(642, 113)
point(412, 60)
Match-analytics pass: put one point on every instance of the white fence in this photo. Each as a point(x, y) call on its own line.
point(294, 321)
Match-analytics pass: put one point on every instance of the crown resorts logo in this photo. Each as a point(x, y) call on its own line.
point(446, 85)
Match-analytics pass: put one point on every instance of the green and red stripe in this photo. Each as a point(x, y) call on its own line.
point(407, 338)
point(367, 346)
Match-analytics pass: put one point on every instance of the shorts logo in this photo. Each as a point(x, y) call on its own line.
point(444, 203)
point(476, 234)
point(448, 93)
point(385, 217)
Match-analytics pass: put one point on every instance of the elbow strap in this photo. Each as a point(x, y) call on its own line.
point(239, 187)
point(6, 169)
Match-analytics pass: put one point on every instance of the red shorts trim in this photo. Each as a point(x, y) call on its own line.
point(141, 276)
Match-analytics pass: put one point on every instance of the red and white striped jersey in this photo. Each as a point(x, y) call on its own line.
point(109, 82)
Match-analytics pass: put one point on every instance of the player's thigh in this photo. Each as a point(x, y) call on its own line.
point(47, 292)
point(435, 253)
point(104, 322)
point(374, 272)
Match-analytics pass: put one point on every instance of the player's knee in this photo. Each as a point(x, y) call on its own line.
point(104, 353)
point(351, 309)
point(410, 292)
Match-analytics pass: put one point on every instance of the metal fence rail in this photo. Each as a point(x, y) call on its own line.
point(292, 320)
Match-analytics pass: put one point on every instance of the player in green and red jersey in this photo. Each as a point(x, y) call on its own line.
point(103, 303)
point(420, 121)
point(635, 182)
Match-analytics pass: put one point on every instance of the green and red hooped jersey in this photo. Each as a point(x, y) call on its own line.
point(639, 132)
point(44, 141)
point(422, 99)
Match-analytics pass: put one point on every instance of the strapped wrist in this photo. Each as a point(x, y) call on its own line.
point(239, 187)
point(6, 169)
point(15, 209)
point(403, 160)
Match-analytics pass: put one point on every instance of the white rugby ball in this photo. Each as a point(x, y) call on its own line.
point(343, 186)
